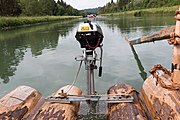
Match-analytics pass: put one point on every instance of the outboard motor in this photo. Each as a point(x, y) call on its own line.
point(89, 35)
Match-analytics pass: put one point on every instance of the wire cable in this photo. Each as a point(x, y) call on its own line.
point(75, 79)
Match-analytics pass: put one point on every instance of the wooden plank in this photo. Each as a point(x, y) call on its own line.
point(126, 111)
point(18, 103)
point(60, 111)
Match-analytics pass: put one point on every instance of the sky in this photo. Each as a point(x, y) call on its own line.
point(85, 4)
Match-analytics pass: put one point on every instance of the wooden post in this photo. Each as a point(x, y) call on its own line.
point(60, 111)
point(19, 103)
point(176, 52)
point(125, 110)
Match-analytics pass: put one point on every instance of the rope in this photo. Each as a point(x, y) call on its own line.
point(172, 86)
point(75, 79)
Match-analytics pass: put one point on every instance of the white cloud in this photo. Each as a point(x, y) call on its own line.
point(85, 4)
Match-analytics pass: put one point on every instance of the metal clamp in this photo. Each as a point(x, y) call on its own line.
point(173, 40)
point(175, 67)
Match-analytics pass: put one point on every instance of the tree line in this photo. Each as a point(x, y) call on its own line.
point(125, 5)
point(36, 8)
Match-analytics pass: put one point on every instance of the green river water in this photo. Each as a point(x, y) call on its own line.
point(42, 56)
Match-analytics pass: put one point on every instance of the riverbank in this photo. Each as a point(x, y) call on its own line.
point(12, 22)
point(147, 12)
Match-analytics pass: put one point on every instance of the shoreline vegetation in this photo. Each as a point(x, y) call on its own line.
point(147, 12)
point(13, 22)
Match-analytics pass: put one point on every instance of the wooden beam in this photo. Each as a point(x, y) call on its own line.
point(162, 34)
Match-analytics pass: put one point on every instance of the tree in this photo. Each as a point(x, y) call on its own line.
point(17, 10)
point(64, 9)
point(123, 5)
point(35, 8)
point(61, 10)
point(47, 7)
point(30, 7)
point(10, 8)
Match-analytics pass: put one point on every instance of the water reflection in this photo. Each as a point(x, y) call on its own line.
point(14, 44)
point(45, 54)
point(10, 57)
point(129, 23)
point(142, 73)
point(135, 27)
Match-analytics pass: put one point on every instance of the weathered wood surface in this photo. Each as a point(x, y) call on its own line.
point(19, 103)
point(58, 111)
point(163, 103)
point(126, 111)
point(176, 51)
point(162, 34)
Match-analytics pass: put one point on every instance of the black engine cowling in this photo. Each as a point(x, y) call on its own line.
point(89, 35)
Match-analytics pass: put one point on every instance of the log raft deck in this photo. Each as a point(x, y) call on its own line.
point(27, 103)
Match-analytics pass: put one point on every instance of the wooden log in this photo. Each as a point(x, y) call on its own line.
point(162, 34)
point(176, 52)
point(163, 103)
point(126, 111)
point(60, 111)
point(19, 103)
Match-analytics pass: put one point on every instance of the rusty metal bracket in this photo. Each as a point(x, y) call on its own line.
point(172, 42)
point(177, 12)
point(62, 94)
point(172, 39)
point(159, 81)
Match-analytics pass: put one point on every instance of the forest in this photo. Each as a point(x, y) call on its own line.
point(127, 5)
point(60, 8)
point(36, 8)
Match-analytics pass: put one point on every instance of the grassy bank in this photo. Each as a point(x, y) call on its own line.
point(145, 12)
point(10, 22)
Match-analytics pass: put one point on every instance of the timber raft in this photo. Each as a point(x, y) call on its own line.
point(158, 100)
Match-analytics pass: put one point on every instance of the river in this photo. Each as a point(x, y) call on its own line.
point(42, 56)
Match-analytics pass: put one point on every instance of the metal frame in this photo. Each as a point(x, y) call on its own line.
point(89, 58)
point(93, 98)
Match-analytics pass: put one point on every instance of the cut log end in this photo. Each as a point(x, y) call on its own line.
point(19, 103)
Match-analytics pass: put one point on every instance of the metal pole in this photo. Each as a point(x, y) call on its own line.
point(89, 61)
point(90, 66)
point(92, 82)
